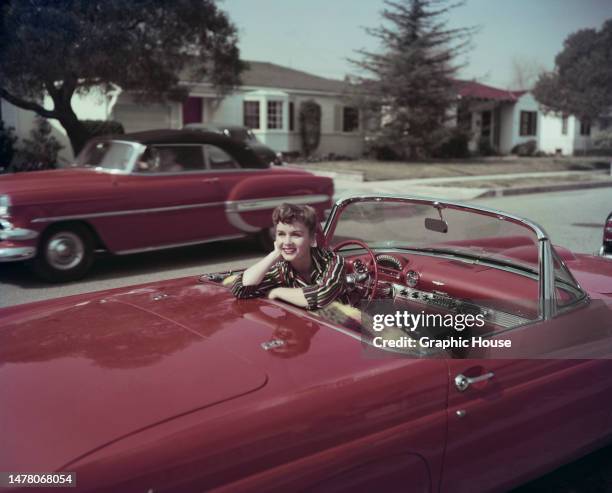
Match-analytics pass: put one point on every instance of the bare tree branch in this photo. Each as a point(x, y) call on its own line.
point(27, 105)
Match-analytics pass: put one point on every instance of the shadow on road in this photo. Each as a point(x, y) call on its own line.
point(108, 267)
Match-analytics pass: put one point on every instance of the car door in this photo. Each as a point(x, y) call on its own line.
point(171, 201)
point(529, 415)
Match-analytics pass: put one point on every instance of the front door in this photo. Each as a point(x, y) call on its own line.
point(172, 200)
point(527, 416)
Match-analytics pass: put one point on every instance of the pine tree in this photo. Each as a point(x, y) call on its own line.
point(410, 83)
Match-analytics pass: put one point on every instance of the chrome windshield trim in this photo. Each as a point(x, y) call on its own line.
point(343, 202)
point(178, 245)
point(546, 281)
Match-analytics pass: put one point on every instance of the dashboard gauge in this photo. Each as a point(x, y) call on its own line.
point(388, 261)
point(412, 278)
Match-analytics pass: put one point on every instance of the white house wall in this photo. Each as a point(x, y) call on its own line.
point(230, 111)
point(551, 139)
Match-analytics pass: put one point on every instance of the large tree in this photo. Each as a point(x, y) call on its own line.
point(65, 47)
point(581, 83)
point(410, 80)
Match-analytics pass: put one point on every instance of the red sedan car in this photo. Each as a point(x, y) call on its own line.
point(178, 386)
point(145, 191)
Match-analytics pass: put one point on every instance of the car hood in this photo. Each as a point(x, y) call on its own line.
point(24, 187)
point(86, 371)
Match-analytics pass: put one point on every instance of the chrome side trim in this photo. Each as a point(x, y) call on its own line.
point(230, 206)
point(16, 254)
point(233, 217)
point(257, 205)
point(127, 212)
point(177, 245)
point(233, 208)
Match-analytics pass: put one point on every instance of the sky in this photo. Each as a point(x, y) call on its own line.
point(318, 36)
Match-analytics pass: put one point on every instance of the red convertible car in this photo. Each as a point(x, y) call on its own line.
point(178, 386)
point(145, 191)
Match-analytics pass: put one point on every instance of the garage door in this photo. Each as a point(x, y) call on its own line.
point(136, 118)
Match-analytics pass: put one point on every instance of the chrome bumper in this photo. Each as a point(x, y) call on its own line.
point(13, 254)
point(10, 232)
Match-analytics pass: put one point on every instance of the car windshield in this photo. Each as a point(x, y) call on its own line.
point(467, 234)
point(109, 154)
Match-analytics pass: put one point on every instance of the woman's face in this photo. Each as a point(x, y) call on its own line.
point(294, 241)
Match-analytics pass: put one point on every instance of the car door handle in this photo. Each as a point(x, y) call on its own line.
point(210, 180)
point(462, 382)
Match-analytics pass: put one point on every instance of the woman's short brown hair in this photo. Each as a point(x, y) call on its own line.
point(289, 213)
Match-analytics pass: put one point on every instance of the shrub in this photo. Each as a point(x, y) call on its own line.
point(310, 126)
point(484, 147)
point(39, 151)
point(525, 149)
point(103, 127)
point(603, 141)
point(7, 146)
point(455, 145)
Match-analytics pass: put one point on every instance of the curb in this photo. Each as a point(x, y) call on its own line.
point(500, 192)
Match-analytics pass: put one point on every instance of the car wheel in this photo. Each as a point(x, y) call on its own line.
point(65, 253)
point(265, 239)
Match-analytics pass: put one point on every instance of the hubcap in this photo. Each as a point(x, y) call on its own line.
point(65, 250)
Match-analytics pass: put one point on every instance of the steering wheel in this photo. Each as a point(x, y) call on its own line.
point(366, 285)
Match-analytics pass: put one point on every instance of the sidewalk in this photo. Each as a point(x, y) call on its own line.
point(471, 187)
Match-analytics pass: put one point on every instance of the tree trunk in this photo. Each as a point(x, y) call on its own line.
point(77, 132)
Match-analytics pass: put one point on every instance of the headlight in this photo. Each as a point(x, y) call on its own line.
point(5, 203)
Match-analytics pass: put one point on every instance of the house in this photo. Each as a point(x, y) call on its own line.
point(269, 99)
point(506, 118)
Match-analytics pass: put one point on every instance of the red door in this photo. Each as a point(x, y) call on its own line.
point(527, 416)
point(192, 110)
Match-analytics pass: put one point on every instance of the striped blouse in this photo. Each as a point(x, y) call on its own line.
point(327, 275)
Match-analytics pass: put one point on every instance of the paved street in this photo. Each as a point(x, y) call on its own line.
point(573, 219)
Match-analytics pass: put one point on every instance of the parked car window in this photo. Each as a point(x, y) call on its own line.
point(219, 159)
point(177, 158)
point(108, 154)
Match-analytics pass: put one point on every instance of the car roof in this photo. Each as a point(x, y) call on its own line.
point(220, 126)
point(171, 136)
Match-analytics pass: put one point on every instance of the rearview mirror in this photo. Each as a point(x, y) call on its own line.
point(438, 225)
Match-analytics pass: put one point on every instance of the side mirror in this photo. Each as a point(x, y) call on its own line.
point(438, 225)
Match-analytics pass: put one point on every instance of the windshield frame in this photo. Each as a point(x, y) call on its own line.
point(546, 275)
